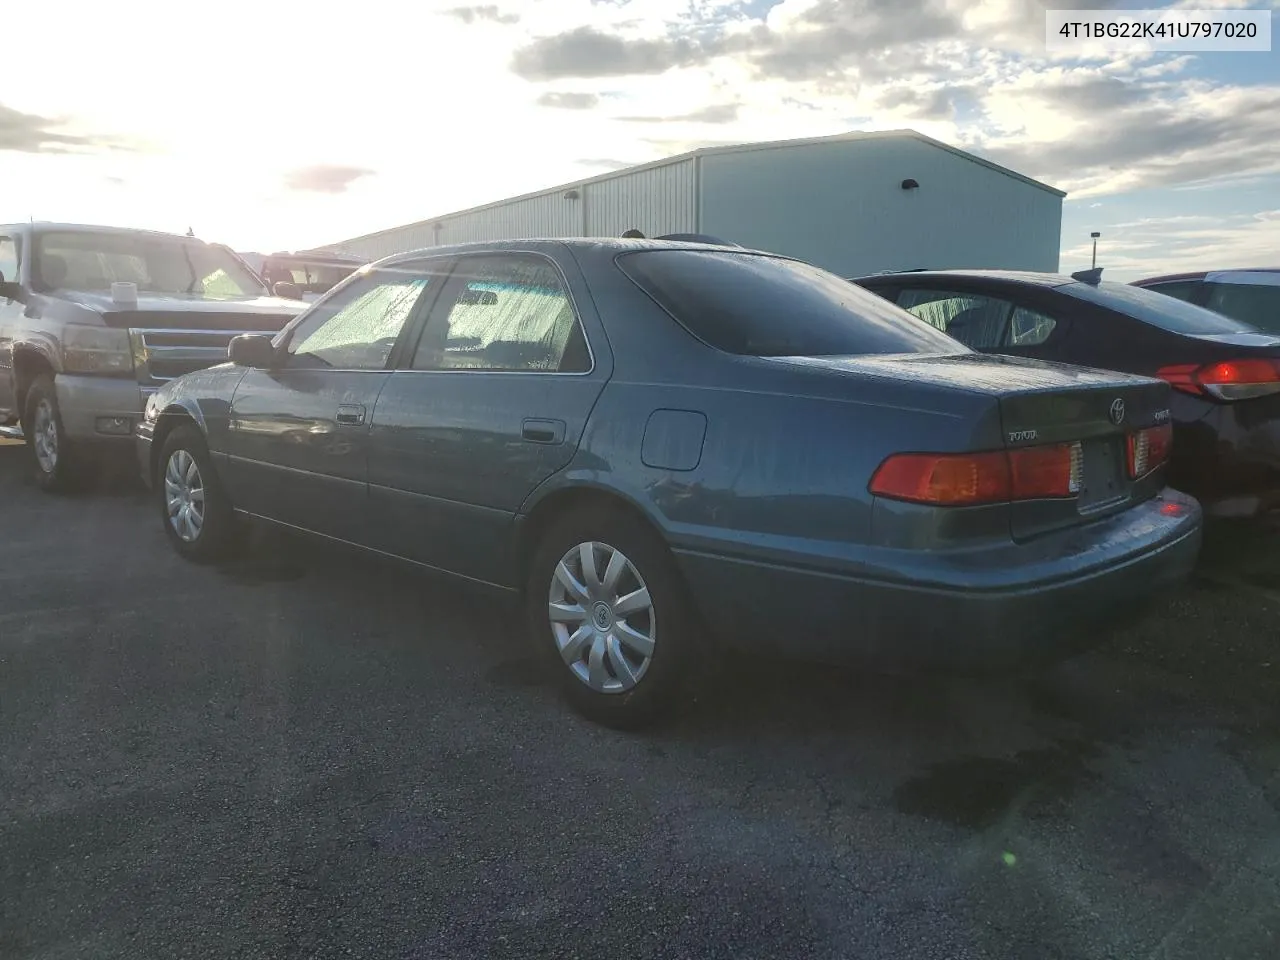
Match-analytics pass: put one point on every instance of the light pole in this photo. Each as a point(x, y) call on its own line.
point(1095, 235)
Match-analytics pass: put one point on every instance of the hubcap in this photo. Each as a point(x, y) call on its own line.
point(602, 617)
point(45, 436)
point(184, 495)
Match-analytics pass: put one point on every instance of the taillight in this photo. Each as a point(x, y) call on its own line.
point(1149, 449)
point(1227, 380)
point(969, 479)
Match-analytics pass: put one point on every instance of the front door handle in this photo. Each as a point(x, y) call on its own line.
point(351, 414)
point(543, 431)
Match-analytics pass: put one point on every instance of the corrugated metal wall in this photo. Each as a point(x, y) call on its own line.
point(655, 200)
point(841, 206)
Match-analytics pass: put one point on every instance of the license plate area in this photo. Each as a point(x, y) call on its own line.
point(1104, 477)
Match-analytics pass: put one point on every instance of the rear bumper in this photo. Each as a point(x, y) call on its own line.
point(98, 408)
point(1023, 606)
point(1228, 454)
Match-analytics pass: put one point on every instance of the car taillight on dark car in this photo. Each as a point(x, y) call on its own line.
point(1149, 449)
point(969, 479)
point(1227, 379)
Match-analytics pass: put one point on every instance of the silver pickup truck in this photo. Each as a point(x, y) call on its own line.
point(94, 319)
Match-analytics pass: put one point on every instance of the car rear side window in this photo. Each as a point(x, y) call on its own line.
point(757, 305)
point(1253, 303)
point(1156, 309)
point(1180, 289)
point(979, 322)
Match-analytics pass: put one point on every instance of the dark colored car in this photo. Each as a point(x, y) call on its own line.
point(1249, 295)
point(1225, 373)
point(666, 446)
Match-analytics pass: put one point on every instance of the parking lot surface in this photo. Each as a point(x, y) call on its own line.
point(311, 754)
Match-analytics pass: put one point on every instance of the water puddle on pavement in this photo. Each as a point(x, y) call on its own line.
point(977, 792)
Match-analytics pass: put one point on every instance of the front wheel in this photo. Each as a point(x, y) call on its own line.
point(58, 465)
point(606, 606)
point(197, 514)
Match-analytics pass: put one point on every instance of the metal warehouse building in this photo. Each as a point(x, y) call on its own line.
point(853, 203)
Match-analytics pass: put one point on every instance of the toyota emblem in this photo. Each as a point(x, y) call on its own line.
point(1117, 411)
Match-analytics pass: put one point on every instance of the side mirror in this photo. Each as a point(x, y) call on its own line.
point(9, 290)
point(290, 291)
point(252, 350)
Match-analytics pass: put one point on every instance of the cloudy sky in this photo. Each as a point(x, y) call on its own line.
point(273, 125)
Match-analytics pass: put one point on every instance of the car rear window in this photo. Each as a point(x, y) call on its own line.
point(1156, 309)
point(762, 306)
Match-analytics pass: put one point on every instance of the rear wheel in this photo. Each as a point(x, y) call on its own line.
point(195, 509)
point(607, 608)
point(59, 466)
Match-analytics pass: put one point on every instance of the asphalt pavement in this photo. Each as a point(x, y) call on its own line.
point(312, 754)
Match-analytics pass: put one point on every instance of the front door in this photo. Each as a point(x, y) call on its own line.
point(494, 401)
point(298, 438)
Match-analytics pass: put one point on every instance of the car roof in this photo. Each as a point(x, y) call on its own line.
point(1011, 276)
point(618, 245)
point(44, 226)
point(1231, 275)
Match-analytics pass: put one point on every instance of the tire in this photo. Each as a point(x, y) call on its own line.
point(194, 508)
point(625, 678)
point(58, 466)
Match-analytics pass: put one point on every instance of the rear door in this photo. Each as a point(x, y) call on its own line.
point(492, 401)
point(298, 434)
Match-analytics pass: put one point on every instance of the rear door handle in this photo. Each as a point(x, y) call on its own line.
point(351, 413)
point(543, 431)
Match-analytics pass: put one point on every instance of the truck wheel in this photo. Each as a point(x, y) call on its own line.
point(58, 464)
point(195, 509)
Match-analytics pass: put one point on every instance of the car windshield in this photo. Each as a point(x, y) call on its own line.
point(1157, 309)
point(158, 265)
point(757, 305)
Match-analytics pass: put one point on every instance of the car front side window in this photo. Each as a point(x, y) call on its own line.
point(9, 259)
point(358, 327)
point(979, 322)
point(508, 313)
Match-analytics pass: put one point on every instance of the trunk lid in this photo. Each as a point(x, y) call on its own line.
point(1042, 403)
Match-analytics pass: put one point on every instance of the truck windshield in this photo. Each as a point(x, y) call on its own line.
point(160, 265)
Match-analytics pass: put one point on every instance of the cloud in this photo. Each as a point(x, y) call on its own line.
point(30, 133)
point(324, 178)
point(568, 101)
point(604, 163)
point(936, 104)
point(488, 12)
point(588, 52)
point(1158, 245)
point(715, 113)
point(1110, 136)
